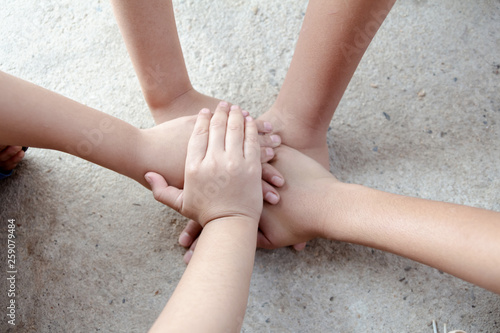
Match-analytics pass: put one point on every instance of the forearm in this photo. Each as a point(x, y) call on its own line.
point(334, 36)
point(36, 117)
point(213, 292)
point(460, 240)
point(150, 34)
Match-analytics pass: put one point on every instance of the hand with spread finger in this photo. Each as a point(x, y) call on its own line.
point(222, 191)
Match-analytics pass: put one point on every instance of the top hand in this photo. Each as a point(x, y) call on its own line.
point(223, 158)
point(162, 149)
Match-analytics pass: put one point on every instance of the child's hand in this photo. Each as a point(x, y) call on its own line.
point(299, 215)
point(223, 170)
point(301, 212)
point(163, 150)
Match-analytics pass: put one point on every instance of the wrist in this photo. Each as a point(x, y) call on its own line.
point(135, 162)
point(236, 232)
point(343, 204)
point(243, 220)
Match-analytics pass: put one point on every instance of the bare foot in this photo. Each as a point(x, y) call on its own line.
point(295, 132)
point(10, 156)
point(187, 104)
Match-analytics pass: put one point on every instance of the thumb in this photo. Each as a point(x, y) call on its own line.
point(168, 195)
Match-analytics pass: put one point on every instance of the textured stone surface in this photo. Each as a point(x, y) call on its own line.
point(421, 117)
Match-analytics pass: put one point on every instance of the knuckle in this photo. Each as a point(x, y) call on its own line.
point(192, 169)
point(232, 166)
point(215, 123)
point(210, 164)
point(201, 131)
point(254, 169)
point(235, 127)
point(158, 196)
point(252, 138)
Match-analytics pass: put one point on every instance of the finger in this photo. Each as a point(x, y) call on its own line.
point(266, 154)
point(197, 146)
point(189, 253)
point(271, 175)
point(263, 242)
point(299, 247)
point(13, 161)
point(217, 130)
point(168, 195)
point(235, 132)
point(269, 140)
point(8, 152)
point(190, 233)
point(270, 194)
point(251, 147)
point(263, 127)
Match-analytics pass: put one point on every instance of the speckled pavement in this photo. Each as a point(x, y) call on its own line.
point(421, 117)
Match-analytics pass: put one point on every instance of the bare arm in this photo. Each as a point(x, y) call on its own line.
point(213, 292)
point(460, 240)
point(334, 36)
point(36, 117)
point(150, 34)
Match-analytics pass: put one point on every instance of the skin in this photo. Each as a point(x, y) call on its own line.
point(334, 36)
point(10, 156)
point(213, 291)
point(35, 117)
point(457, 239)
point(150, 34)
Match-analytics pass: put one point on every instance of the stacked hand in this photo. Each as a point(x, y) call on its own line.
point(278, 226)
point(223, 169)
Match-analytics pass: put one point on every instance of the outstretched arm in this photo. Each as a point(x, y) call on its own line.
point(222, 160)
point(460, 240)
point(36, 117)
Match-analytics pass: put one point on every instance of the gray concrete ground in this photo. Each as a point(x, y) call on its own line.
point(97, 253)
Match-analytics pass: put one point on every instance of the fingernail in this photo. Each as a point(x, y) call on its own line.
point(235, 107)
point(148, 179)
point(269, 152)
point(272, 198)
point(188, 256)
point(248, 118)
point(245, 113)
point(223, 104)
point(268, 126)
point(185, 239)
point(278, 181)
point(205, 110)
point(276, 138)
